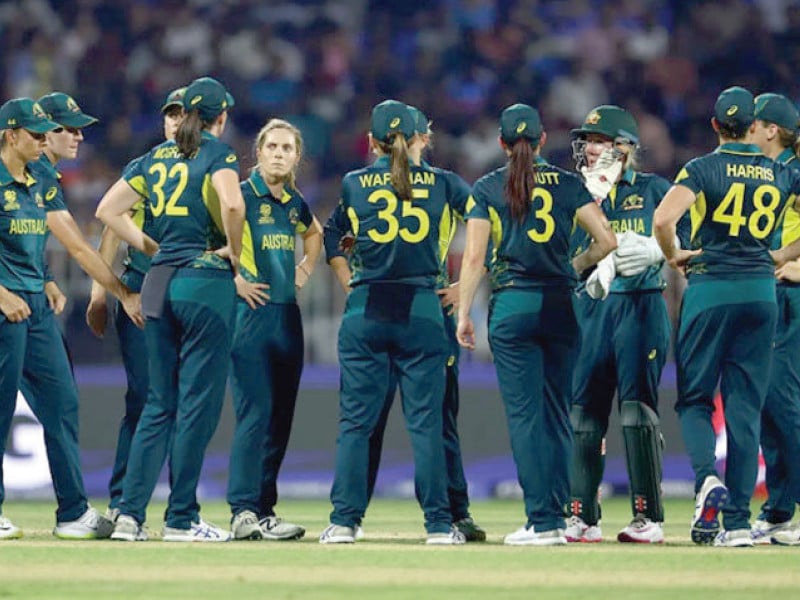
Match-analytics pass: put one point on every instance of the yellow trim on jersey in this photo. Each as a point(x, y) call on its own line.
point(139, 185)
point(470, 204)
point(612, 196)
point(697, 213)
point(248, 258)
point(300, 228)
point(351, 214)
point(211, 200)
point(285, 197)
point(447, 229)
point(791, 223)
point(497, 228)
point(137, 214)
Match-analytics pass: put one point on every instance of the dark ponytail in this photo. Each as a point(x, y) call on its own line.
point(400, 168)
point(521, 179)
point(188, 135)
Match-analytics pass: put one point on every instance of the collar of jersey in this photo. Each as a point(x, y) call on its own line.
point(739, 148)
point(6, 178)
point(44, 160)
point(786, 156)
point(261, 189)
point(629, 176)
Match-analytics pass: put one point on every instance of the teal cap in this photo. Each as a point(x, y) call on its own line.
point(778, 109)
point(420, 120)
point(520, 121)
point(208, 96)
point(174, 98)
point(63, 109)
point(735, 108)
point(26, 114)
point(391, 116)
point(611, 121)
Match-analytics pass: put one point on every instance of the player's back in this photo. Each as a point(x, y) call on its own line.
point(741, 198)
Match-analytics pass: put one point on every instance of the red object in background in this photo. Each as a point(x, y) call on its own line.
point(718, 422)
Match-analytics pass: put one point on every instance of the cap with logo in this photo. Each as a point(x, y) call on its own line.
point(778, 109)
point(174, 98)
point(420, 120)
point(391, 116)
point(208, 96)
point(520, 121)
point(26, 114)
point(63, 109)
point(735, 108)
point(609, 120)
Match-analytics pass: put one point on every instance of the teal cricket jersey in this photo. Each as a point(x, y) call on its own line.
point(630, 206)
point(742, 196)
point(23, 231)
point(787, 230)
point(184, 206)
point(395, 241)
point(534, 253)
point(141, 216)
point(270, 230)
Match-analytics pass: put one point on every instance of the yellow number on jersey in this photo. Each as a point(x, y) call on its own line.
point(730, 210)
point(179, 171)
point(388, 214)
point(543, 216)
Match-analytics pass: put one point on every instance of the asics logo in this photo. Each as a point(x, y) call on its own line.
point(732, 110)
point(395, 122)
point(521, 127)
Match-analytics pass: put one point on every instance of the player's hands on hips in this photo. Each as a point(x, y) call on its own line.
point(14, 307)
point(55, 298)
point(449, 298)
point(252, 293)
point(97, 315)
point(465, 333)
point(681, 259)
point(789, 271)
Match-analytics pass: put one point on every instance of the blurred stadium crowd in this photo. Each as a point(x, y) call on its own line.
point(322, 64)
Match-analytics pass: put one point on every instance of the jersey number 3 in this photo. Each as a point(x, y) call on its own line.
point(179, 171)
point(543, 232)
point(388, 215)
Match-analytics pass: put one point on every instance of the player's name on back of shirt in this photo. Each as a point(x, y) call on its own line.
point(167, 152)
point(749, 171)
point(368, 180)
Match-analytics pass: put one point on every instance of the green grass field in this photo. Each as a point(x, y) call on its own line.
point(391, 563)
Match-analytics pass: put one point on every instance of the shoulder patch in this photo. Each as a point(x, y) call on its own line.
point(230, 158)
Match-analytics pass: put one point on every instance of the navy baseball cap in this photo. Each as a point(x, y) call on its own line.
point(174, 98)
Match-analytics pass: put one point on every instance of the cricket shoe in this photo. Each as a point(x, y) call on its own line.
point(642, 531)
point(709, 502)
point(528, 536)
point(126, 529)
point(275, 528)
point(337, 534)
point(200, 531)
point(91, 525)
point(762, 530)
point(471, 530)
point(733, 538)
point(9, 531)
point(787, 537)
point(454, 537)
point(245, 526)
point(578, 531)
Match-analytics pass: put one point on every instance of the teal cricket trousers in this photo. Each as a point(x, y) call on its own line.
point(133, 348)
point(188, 350)
point(33, 357)
point(456, 480)
point(534, 338)
point(780, 419)
point(391, 328)
point(266, 364)
point(725, 335)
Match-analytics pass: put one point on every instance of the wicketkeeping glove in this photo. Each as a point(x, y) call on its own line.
point(603, 175)
point(635, 253)
point(598, 284)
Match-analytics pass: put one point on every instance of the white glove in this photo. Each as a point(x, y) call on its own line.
point(635, 253)
point(603, 175)
point(599, 283)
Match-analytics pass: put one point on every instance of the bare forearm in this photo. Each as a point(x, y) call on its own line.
point(469, 279)
point(233, 222)
point(94, 265)
point(109, 244)
point(665, 233)
point(342, 271)
point(312, 248)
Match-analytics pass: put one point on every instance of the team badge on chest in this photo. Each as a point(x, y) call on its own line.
point(10, 199)
point(265, 215)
